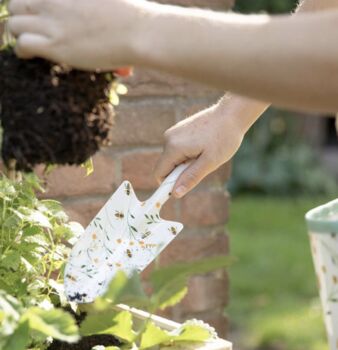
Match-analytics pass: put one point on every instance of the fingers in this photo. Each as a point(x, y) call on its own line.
point(24, 7)
point(25, 24)
point(167, 163)
point(192, 176)
point(31, 45)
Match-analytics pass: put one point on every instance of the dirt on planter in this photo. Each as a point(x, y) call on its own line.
point(51, 114)
point(85, 343)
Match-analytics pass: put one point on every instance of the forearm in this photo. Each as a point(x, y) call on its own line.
point(250, 55)
point(245, 111)
point(248, 110)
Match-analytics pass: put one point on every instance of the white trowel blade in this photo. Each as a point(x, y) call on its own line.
point(125, 235)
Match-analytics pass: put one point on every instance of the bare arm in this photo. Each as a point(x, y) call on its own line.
point(215, 134)
point(257, 108)
point(286, 60)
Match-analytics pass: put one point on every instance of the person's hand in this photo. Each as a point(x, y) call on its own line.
point(209, 138)
point(84, 34)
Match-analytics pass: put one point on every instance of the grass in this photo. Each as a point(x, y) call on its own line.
point(274, 302)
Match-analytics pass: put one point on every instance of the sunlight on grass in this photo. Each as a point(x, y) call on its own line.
point(274, 298)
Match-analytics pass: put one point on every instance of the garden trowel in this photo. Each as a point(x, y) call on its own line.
point(126, 235)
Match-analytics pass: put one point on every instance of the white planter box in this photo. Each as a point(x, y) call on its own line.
point(216, 344)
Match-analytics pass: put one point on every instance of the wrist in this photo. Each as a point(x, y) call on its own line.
point(240, 111)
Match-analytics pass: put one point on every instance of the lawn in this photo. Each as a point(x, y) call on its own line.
point(273, 301)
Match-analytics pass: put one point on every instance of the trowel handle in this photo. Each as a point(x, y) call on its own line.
point(163, 193)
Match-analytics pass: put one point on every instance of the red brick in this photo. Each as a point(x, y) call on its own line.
point(83, 210)
point(69, 181)
point(169, 211)
point(217, 320)
point(167, 313)
point(218, 177)
point(146, 273)
point(153, 83)
point(202, 231)
point(190, 248)
point(137, 167)
point(75, 215)
point(204, 208)
point(205, 293)
point(142, 123)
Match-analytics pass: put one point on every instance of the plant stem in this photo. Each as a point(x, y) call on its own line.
point(11, 171)
point(51, 262)
point(2, 224)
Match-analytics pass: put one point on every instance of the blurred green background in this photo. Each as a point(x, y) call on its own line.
point(270, 6)
point(273, 295)
point(278, 175)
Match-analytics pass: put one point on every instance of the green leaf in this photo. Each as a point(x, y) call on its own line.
point(116, 286)
point(97, 323)
point(169, 283)
point(36, 217)
point(193, 333)
point(164, 275)
point(153, 336)
point(109, 322)
point(11, 260)
point(19, 339)
point(51, 205)
point(171, 293)
point(13, 221)
point(49, 168)
point(89, 166)
point(173, 299)
point(31, 230)
point(55, 323)
point(10, 309)
point(59, 290)
point(125, 290)
point(123, 327)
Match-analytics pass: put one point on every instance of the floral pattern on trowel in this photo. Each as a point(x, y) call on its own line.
point(125, 235)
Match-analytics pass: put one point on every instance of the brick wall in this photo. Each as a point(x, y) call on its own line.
point(154, 103)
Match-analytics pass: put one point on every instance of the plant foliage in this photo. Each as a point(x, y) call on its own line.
point(34, 245)
point(32, 252)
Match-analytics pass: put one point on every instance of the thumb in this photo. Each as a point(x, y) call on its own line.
point(192, 176)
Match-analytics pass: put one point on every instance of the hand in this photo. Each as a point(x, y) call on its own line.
point(84, 34)
point(209, 138)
